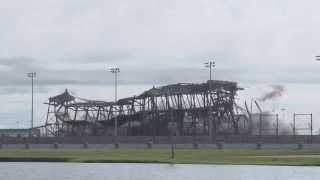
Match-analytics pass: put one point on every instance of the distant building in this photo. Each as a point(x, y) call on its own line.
point(19, 132)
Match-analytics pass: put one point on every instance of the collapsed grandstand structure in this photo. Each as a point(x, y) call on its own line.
point(193, 109)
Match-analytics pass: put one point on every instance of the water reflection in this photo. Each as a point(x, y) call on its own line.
point(81, 171)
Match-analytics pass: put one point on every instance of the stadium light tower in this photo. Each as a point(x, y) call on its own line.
point(32, 75)
point(115, 71)
point(210, 65)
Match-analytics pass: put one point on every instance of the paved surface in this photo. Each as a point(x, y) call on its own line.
point(158, 146)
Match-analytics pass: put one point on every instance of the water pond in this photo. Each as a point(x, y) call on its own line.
point(82, 171)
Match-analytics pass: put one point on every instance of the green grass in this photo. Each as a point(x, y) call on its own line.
point(199, 156)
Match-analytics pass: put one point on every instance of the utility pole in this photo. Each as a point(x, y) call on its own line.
point(32, 75)
point(115, 71)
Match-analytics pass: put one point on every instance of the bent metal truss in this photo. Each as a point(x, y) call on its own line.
point(204, 109)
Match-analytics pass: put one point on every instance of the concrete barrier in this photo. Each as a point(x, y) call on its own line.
point(227, 139)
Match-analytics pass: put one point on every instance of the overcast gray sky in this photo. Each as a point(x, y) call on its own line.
point(75, 41)
point(71, 43)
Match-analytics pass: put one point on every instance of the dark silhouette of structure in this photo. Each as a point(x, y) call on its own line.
point(195, 109)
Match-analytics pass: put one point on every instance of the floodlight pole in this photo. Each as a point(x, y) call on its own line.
point(210, 65)
point(32, 75)
point(115, 71)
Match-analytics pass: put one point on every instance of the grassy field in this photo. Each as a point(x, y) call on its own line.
point(199, 156)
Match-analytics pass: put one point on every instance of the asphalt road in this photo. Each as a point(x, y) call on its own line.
point(157, 146)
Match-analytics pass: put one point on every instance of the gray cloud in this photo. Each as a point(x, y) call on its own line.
point(19, 67)
point(113, 55)
point(21, 90)
point(19, 63)
point(13, 90)
point(75, 42)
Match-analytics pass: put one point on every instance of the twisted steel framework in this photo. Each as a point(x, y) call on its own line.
point(190, 106)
